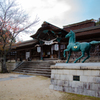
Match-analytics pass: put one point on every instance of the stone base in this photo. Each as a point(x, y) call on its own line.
point(79, 78)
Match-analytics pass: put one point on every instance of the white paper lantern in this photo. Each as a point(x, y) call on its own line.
point(38, 49)
point(56, 47)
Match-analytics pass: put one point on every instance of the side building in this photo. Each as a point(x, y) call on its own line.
point(86, 31)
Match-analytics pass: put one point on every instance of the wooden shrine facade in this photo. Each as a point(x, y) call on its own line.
point(46, 45)
point(49, 38)
point(49, 42)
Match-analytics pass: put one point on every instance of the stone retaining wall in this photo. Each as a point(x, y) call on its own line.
point(10, 65)
point(79, 78)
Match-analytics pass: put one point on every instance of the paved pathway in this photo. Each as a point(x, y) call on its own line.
point(15, 77)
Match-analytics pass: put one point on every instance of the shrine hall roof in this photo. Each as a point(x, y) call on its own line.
point(52, 31)
point(25, 43)
point(79, 23)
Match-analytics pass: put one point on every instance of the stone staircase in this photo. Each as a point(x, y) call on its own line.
point(35, 67)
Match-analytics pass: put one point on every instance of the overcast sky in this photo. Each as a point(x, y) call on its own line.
point(61, 12)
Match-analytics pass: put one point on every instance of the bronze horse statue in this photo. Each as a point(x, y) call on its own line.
point(77, 46)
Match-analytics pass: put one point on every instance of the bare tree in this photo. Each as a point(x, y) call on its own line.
point(13, 21)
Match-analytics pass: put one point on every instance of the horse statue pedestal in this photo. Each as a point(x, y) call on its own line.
point(79, 78)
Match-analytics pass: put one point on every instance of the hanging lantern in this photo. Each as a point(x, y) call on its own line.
point(56, 47)
point(38, 49)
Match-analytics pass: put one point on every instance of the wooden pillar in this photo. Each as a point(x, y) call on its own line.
point(10, 56)
point(51, 51)
point(25, 55)
point(59, 39)
point(41, 54)
point(59, 51)
point(30, 54)
point(16, 56)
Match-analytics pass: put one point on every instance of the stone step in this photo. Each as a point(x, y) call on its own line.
point(49, 62)
point(37, 67)
point(33, 68)
point(46, 75)
point(37, 70)
point(36, 64)
point(34, 71)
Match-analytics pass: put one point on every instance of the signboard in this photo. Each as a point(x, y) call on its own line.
point(27, 55)
point(38, 49)
point(48, 42)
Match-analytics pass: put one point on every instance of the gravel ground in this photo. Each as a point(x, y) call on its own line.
point(26, 88)
point(19, 87)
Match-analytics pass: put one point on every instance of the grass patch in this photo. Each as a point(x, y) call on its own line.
point(71, 96)
point(43, 78)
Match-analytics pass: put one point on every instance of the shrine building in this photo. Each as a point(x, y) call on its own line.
point(49, 42)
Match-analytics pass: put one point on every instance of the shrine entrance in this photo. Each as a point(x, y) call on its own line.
point(50, 51)
point(47, 51)
point(49, 40)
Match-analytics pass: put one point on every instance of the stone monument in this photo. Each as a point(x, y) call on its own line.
point(80, 78)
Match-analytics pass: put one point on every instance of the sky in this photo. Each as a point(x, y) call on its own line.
point(61, 12)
